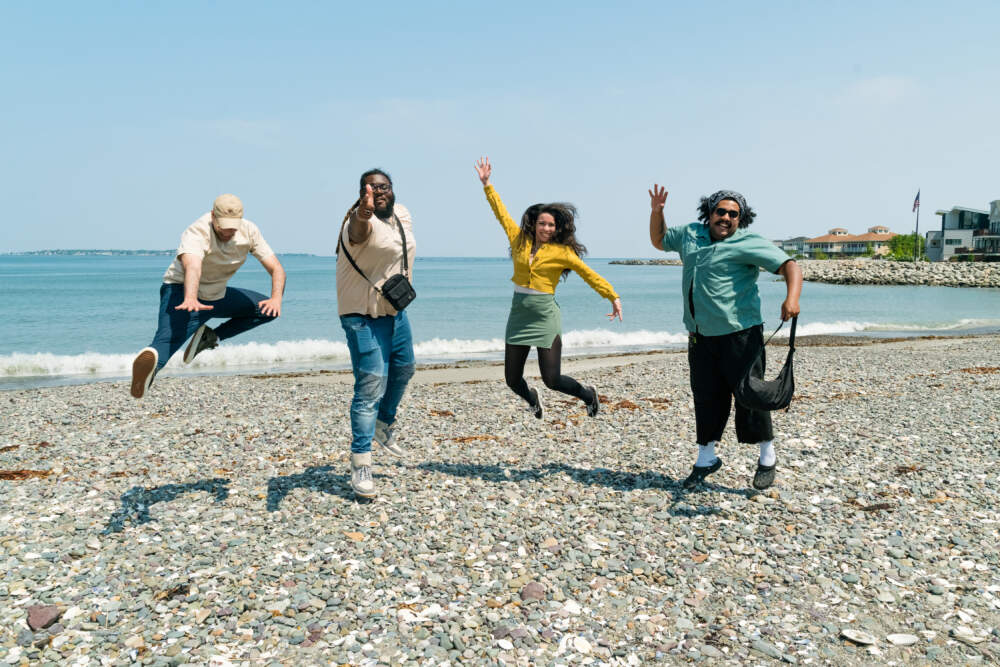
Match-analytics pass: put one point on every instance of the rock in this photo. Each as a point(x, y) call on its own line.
point(767, 649)
point(42, 616)
point(858, 636)
point(533, 591)
point(902, 639)
point(965, 634)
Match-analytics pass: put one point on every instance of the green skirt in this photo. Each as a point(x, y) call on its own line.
point(534, 320)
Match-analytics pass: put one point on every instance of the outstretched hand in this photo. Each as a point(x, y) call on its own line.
point(366, 206)
point(657, 198)
point(484, 169)
point(616, 310)
point(192, 306)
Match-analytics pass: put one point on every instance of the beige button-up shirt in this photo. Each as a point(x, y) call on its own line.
point(219, 261)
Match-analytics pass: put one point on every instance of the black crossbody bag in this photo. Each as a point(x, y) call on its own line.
point(765, 395)
point(396, 289)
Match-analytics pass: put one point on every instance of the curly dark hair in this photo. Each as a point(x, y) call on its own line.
point(705, 211)
point(565, 216)
point(373, 172)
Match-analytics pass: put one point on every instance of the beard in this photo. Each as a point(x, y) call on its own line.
point(386, 211)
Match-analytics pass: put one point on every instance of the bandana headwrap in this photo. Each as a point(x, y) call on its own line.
point(716, 197)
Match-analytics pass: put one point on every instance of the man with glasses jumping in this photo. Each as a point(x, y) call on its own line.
point(722, 316)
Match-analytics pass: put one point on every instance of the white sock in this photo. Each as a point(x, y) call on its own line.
point(767, 455)
point(706, 455)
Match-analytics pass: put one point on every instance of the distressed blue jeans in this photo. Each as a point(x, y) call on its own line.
point(382, 361)
point(176, 326)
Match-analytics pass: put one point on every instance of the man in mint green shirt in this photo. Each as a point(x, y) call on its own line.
point(722, 261)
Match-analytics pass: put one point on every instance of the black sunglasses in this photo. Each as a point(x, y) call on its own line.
point(727, 212)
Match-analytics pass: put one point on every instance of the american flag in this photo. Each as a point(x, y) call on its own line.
point(916, 201)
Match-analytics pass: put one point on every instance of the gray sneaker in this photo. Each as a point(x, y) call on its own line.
point(385, 437)
point(361, 475)
point(203, 339)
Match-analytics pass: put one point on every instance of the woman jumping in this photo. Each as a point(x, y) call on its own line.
point(543, 248)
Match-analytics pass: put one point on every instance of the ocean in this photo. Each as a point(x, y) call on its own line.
point(71, 319)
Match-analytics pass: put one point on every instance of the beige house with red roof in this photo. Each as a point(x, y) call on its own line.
point(838, 241)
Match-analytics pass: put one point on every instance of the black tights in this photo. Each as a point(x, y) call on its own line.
point(549, 363)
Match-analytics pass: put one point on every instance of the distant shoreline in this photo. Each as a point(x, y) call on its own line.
point(117, 253)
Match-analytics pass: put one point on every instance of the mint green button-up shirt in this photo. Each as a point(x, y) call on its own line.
point(719, 281)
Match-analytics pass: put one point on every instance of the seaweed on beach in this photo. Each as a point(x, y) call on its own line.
point(473, 438)
point(876, 507)
point(177, 591)
point(19, 475)
point(981, 370)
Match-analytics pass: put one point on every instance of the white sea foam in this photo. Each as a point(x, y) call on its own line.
point(327, 353)
point(842, 327)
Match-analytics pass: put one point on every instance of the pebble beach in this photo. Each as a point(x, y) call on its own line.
point(213, 521)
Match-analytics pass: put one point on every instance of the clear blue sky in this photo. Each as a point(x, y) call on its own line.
point(122, 121)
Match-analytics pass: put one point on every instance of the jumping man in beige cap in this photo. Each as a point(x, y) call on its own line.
point(194, 289)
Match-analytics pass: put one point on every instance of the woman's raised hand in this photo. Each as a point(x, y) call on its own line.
point(657, 198)
point(616, 310)
point(484, 169)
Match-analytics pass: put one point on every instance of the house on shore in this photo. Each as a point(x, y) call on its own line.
point(838, 242)
point(966, 233)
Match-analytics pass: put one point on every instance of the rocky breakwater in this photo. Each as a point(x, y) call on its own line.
point(647, 262)
point(883, 272)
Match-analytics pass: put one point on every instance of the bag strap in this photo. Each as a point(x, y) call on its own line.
point(791, 335)
point(340, 244)
point(402, 237)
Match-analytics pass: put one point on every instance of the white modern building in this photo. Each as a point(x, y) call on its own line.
point(966, 233)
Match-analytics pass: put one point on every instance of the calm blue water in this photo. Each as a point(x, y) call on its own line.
point(72, 319)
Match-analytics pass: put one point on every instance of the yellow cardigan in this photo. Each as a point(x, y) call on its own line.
point(550, 260)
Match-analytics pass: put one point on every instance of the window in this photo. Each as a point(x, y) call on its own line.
point(953, 241)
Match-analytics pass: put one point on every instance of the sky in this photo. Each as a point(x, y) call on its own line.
point(123, 121)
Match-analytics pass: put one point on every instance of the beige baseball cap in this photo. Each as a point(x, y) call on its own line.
point(228, 211)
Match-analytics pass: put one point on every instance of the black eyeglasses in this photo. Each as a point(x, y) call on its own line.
point(380, 187)
point(727, 212)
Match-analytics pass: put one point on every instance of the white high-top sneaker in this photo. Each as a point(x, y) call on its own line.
point(361, 475)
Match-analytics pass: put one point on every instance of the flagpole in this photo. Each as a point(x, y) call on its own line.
point(916, 239)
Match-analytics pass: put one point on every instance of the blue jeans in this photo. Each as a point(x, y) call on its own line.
point(382, 361)
point(176, 326)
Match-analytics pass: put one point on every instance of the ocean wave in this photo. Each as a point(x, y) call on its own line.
point(301, 353)
point(334, 354)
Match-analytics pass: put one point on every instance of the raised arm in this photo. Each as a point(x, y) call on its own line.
point(657, 224)
point(360, 226)
point(484, 169)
